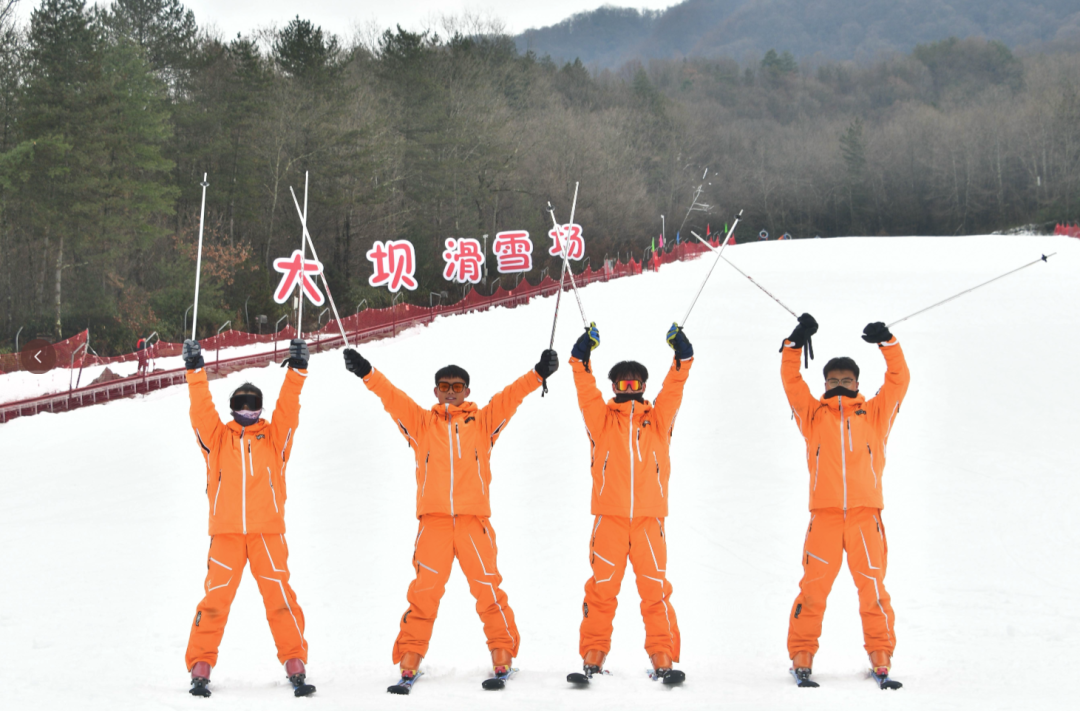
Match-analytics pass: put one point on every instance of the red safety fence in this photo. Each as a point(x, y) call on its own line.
point(1067, 230)
point(366, 325)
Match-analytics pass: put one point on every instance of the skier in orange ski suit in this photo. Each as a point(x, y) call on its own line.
point(452, 443)
point(246, 461)
point(629, 441)
point(846, 437)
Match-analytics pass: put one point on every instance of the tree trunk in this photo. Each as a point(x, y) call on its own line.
point(59, 273)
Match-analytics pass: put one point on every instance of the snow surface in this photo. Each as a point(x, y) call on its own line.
point(103, 518)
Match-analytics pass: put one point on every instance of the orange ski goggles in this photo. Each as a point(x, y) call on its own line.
point(624, 385)
point(445, 387)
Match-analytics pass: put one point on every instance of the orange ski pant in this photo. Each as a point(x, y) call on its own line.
point(642, 540)
point(268, 555)
point(861, 534)
point(471, 540)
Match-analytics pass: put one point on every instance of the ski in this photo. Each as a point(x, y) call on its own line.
point(884, 682)
point(404, 686)
point(803, 682)
point(498, 681)
point(300, 687)
point(582, 678)
point(670, 677)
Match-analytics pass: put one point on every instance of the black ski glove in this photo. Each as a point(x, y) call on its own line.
point(586, 343)
point(356, 363)
point(801, 337)
point(192, 354)
point(298, 354)
point(676, 338)
point(876, 332)
point(549, 363)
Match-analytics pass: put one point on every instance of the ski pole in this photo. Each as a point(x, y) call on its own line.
point(307, 237)
point(198, 259)
point(706, 279)
point(740, 271)
point(1043, 258)
point(562, 275)
point(303, 250)
point(569, 270)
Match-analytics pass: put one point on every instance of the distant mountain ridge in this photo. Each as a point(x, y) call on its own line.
point(861, 30)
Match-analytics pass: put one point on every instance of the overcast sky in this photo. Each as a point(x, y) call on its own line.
point(341, 16)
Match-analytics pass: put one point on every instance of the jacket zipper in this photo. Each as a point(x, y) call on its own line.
point(630, 448)
point(850, 446)
point(843, 455)
point(478, 474)
point(457, 433)
point(243, 484)
point(638, 440)
point(872, 464)
point(658, 475)
point(218, 492)
point(450, 444)
point(272, 494)
point(424, 487)
point(817, 465)
point(603, 474)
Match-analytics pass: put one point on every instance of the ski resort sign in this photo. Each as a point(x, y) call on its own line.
point(571, 236)
point(464, 261)
point(394, 263)
point(513, 252)
point(298, 270)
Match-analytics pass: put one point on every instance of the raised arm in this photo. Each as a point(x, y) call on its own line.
point(495, 416)
point(667, 402)
point(407, 415)
point(798, 392)
point(287, 413)
point(886, 404)
point(204, 417)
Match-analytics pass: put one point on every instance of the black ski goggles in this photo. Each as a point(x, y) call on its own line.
point(245, 401)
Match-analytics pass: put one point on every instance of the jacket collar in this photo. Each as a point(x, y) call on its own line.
point(237, 428)
point(623, 408)
point(465, 408)
point(833, 403)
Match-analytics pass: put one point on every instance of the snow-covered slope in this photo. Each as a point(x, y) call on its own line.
point(103, 517)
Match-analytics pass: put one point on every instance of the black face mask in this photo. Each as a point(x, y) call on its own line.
point(627, 397)
point(839, 390)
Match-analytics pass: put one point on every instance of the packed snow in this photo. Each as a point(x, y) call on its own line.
point(103, 522)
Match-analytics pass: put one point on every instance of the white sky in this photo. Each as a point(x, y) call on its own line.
point(342, 16)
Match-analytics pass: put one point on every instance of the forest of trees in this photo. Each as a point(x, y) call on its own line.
point(110, 117)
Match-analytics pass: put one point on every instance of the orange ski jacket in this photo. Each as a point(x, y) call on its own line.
point(245, 466)
point(452, 443)
point(629, 444)
point(846, 438)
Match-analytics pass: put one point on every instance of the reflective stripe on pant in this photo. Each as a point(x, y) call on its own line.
point(642, 540)
point(268, 555)
point(470, 539)
point(862, 535)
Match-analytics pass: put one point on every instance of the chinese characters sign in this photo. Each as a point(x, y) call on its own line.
point(513, 250)
point(570, 235)
point(464, 261)
point(395, 264)
point(292, 274)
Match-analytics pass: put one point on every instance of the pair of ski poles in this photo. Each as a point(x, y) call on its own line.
point(305, 241)
point(719, 256)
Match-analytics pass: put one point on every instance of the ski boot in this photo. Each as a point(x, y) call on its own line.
point(801, 665)
point(501, 660)
point(410, 672)
point(662, 671)
point(294, 669)
point(200, 677)
point(880, 663)
point(593, 663)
